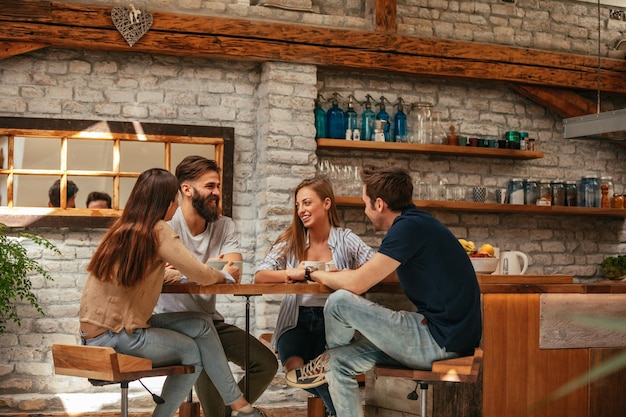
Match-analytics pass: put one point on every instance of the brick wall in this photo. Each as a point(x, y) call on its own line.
point(270, 106)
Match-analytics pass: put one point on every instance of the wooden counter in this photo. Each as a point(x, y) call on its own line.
point(518, 373)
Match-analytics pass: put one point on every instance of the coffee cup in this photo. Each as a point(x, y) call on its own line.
point(315, 265)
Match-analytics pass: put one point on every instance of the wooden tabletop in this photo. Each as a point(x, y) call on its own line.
point(524, 284)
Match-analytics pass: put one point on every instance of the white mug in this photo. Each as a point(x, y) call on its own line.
point(513, 263)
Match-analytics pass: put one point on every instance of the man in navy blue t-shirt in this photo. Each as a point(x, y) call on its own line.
point(435, 274)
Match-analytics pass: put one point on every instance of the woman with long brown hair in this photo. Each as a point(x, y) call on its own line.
point(126, 274)
point(313, 235)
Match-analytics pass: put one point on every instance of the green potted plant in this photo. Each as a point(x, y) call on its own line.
point(15, 269)
point(614, 267)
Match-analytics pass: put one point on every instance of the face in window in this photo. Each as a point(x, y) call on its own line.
point(206, 195)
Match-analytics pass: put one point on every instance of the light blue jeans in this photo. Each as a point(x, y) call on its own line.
point(389, 337)
point(178, 338)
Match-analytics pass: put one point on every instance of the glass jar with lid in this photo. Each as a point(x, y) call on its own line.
point(515, 191)
point(571, 194)
point(531, 191)
point(420, 123)
point(545, 193)
point(557, 188)
point(589, 195)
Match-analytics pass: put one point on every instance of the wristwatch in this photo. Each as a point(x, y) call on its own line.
point(307, 273)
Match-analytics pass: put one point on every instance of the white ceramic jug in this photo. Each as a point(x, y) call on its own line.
point(513, 263)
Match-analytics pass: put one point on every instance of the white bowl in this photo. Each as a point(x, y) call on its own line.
point(484, 265)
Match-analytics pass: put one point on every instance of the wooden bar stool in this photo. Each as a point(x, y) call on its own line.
point(104, 366)
point(456, 370)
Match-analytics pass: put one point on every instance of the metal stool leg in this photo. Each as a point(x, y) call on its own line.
point(424, 399)
point(124, 399)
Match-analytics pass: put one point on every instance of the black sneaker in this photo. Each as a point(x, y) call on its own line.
point(310, 375)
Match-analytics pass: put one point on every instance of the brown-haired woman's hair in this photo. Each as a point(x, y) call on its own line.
point(130, 245)
point(392, 185)
point(295, 235)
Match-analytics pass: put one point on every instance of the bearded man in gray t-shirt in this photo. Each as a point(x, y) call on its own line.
point(209, 235)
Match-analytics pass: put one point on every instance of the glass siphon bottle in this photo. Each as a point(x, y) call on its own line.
point(334, 120)
point(367, 120)
point(399, 123)
point(350, 118)
point(320, 118)
point(383, 115)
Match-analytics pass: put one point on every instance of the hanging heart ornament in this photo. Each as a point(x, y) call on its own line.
point(132, 23)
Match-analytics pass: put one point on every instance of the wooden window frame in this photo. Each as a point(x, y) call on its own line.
point(221, 137)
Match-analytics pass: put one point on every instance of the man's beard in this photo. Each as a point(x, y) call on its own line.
point(201, 204)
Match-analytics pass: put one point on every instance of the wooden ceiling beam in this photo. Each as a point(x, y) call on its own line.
point(76, 26)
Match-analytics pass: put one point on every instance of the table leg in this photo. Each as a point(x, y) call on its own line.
point(247, 349)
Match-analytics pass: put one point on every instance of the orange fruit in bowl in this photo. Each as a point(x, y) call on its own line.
point(487, 248)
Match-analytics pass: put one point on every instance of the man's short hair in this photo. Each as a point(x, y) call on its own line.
point(54, 192)
point(97, 195)
point(193, 166)
point(392, 185)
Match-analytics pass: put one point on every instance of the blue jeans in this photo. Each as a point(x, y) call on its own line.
point(177, 338)
point(307, 341)
point(389, 337)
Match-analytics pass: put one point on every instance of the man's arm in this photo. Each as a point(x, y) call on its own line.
point(358, 280)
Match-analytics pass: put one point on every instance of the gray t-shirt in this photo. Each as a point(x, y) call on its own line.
point(218, 238)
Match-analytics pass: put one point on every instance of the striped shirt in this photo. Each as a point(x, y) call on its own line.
point(348, 251)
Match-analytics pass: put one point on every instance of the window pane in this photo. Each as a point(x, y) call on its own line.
point(87, 185)
point(181, 150)
point(31, 191)
point(37, 153)
point(90, 155)
point(3, 190)
point(139, 156)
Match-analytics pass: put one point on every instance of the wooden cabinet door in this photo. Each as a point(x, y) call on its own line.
point(516, 373)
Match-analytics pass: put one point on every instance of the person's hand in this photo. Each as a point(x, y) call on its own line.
point(169, 266)
point(294, 274)
point(233, 271)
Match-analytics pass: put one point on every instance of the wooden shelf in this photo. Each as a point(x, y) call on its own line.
point(345, 201)
point(363, 145)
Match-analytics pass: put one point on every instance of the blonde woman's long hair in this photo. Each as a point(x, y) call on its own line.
point(130, 245)
point(295, 235)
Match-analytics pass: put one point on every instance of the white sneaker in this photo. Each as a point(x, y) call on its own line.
point(310, 375)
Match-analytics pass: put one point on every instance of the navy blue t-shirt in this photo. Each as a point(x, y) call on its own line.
point(437, 276)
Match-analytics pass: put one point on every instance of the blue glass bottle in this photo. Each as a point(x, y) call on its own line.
point(399, 123)
point(367, 120)
point(383, 115)
point(320, 118)
point(350, 118)
point(334, 120)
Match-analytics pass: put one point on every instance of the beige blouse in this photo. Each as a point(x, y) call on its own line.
point(115, 307)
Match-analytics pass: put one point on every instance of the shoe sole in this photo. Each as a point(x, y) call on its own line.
point(314, 384)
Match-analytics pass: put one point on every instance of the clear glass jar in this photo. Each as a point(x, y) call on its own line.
point(589, 192)
point(571, 194)
point(531, 191)
point(545, 194)
point(440, 135)
point(557, 189)
point(516, 191)
point(420, 126)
